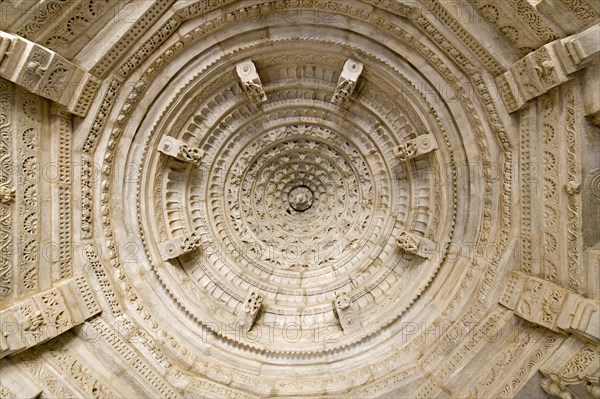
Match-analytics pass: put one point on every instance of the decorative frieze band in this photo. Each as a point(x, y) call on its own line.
point(46, 315)
point(45, 73)
point(180, 150)
point(347, 81)
point(413, 148)
point(549, 66)
point(250, 81)
point(552, 306)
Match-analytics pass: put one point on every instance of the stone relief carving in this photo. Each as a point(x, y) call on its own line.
point(250, 308)
point(420, 145)
point(414, 244)
point(46, 73)
point(548, 67)
point(347, 316)
point(295, 164)
point(552, 306)
point(46, 315)
point(572, 371)
point(250, 81)
point(347, 81)
point(180, 150)
point(178, 246)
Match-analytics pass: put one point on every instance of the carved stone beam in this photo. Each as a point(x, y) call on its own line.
point(573, 370)
point(45, 73)
point(347, 316)
point(17, 383)
point(250, 81)
point(46, 315)
point(414, 244)
point(347, 81)
point(549, 66)
point(178, 246)
point(413, 148)
point(180, 150)
point(552, 306)
point(250, 308)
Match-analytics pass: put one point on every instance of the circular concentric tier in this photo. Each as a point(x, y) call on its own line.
point(294, 216)
point(296, 199)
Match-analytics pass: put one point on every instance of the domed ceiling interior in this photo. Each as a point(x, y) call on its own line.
point(300, 198)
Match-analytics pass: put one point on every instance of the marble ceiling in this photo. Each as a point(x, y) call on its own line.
point(300, 198)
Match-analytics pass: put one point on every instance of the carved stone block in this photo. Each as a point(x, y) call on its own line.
point(413, 148)
point(347, 316)
point(548, 67)
point(45, 73)
point(178, 246)
point(347, 81)
point(250, 81)
point(552, 306)
point(573, 370)
point(250, 308)
point(414, 244)
point(180, 150)
point(46, 315)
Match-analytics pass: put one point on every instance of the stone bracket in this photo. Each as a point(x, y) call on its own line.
point(573, 370)
point(548, 67)
point(46, 315)
point(347, 81)
point(250, 81)
point(348, 317)
point(551, 306)
point(249, 311)
point(45, 73)
point(414, 244)
point(413, 148)
point(178, 149)
point(178, 246)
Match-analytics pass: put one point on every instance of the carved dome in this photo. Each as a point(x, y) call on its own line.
point(299, 198)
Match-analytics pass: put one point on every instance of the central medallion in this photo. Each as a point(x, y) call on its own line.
point(300, 198)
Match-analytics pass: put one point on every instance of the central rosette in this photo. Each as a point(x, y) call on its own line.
point(300, 198)
point(303, 198)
